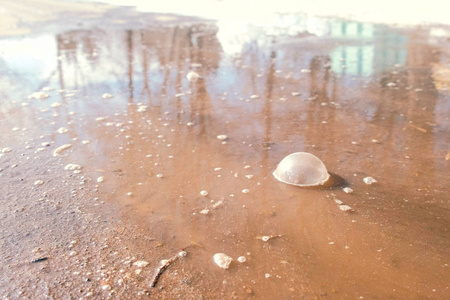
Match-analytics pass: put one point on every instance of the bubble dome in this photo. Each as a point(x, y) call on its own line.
point(301, 169)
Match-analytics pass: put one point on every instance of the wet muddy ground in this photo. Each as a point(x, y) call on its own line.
point(113, 159)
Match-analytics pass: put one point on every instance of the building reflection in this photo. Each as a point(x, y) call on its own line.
point(356, 83)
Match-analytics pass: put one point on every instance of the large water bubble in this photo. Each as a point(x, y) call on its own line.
point(301, 169)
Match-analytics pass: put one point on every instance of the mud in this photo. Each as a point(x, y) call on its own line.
point(166, 163)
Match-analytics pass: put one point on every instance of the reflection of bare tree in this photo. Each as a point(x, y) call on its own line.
point(321, 110)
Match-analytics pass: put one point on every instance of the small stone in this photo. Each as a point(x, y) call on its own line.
point(338, 201)
point(130, 194)
point(369, 180)
point(242, 259)
point(140, 263)
point(63, 130)
point(56, 104)
point(142, 108)
point(73, 253)
point(38, 95)
point(38, 182)
point(182, 254)
point(344, 207)
point(204, 193)
point(72, 167)
point(245, 191)
point(347, 190)
point(6, 150)
point(222, 260)
point(100, 179)
point(222, 137)
point(85, 142)
point(217, 204)
point(267, 275)
point(159, 175)
point(204, 211)
point(60, 149)
point(106, 96)
point(193, 76)
point(265, 238)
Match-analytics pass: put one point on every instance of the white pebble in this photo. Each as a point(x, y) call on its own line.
point(38, 182)
point(267, 275)
point(159, 175)
point(60, 149)
point(347, 190)
point(369, 180)
point(106, 96)
point(55, 105)
point(204, 193)
point(241, 259)
point(6, 150)
point(222, 137)
point(338, 201)
point(142, 108)
point(245, 191)
point(38, 95)
point(63, 130)
point(217, 204)
point(222, 260)
point(85, 142)
point(140, 263)
point(182, 254)
point(100, 179)
point(72, 167)
point(344, 207)
point(265, 238)
point(193, 76)
point(204, 211)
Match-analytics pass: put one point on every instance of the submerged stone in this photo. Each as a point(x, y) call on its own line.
point(302, 169)
point(369, 180)
point(222, 260)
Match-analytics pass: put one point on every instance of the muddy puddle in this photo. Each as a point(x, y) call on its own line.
point(190, 160)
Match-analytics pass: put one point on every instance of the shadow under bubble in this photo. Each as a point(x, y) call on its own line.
point(334, 182)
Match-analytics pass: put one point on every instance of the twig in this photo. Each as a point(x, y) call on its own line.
point(39, 260)
point(162, 268)
point(266, 238)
